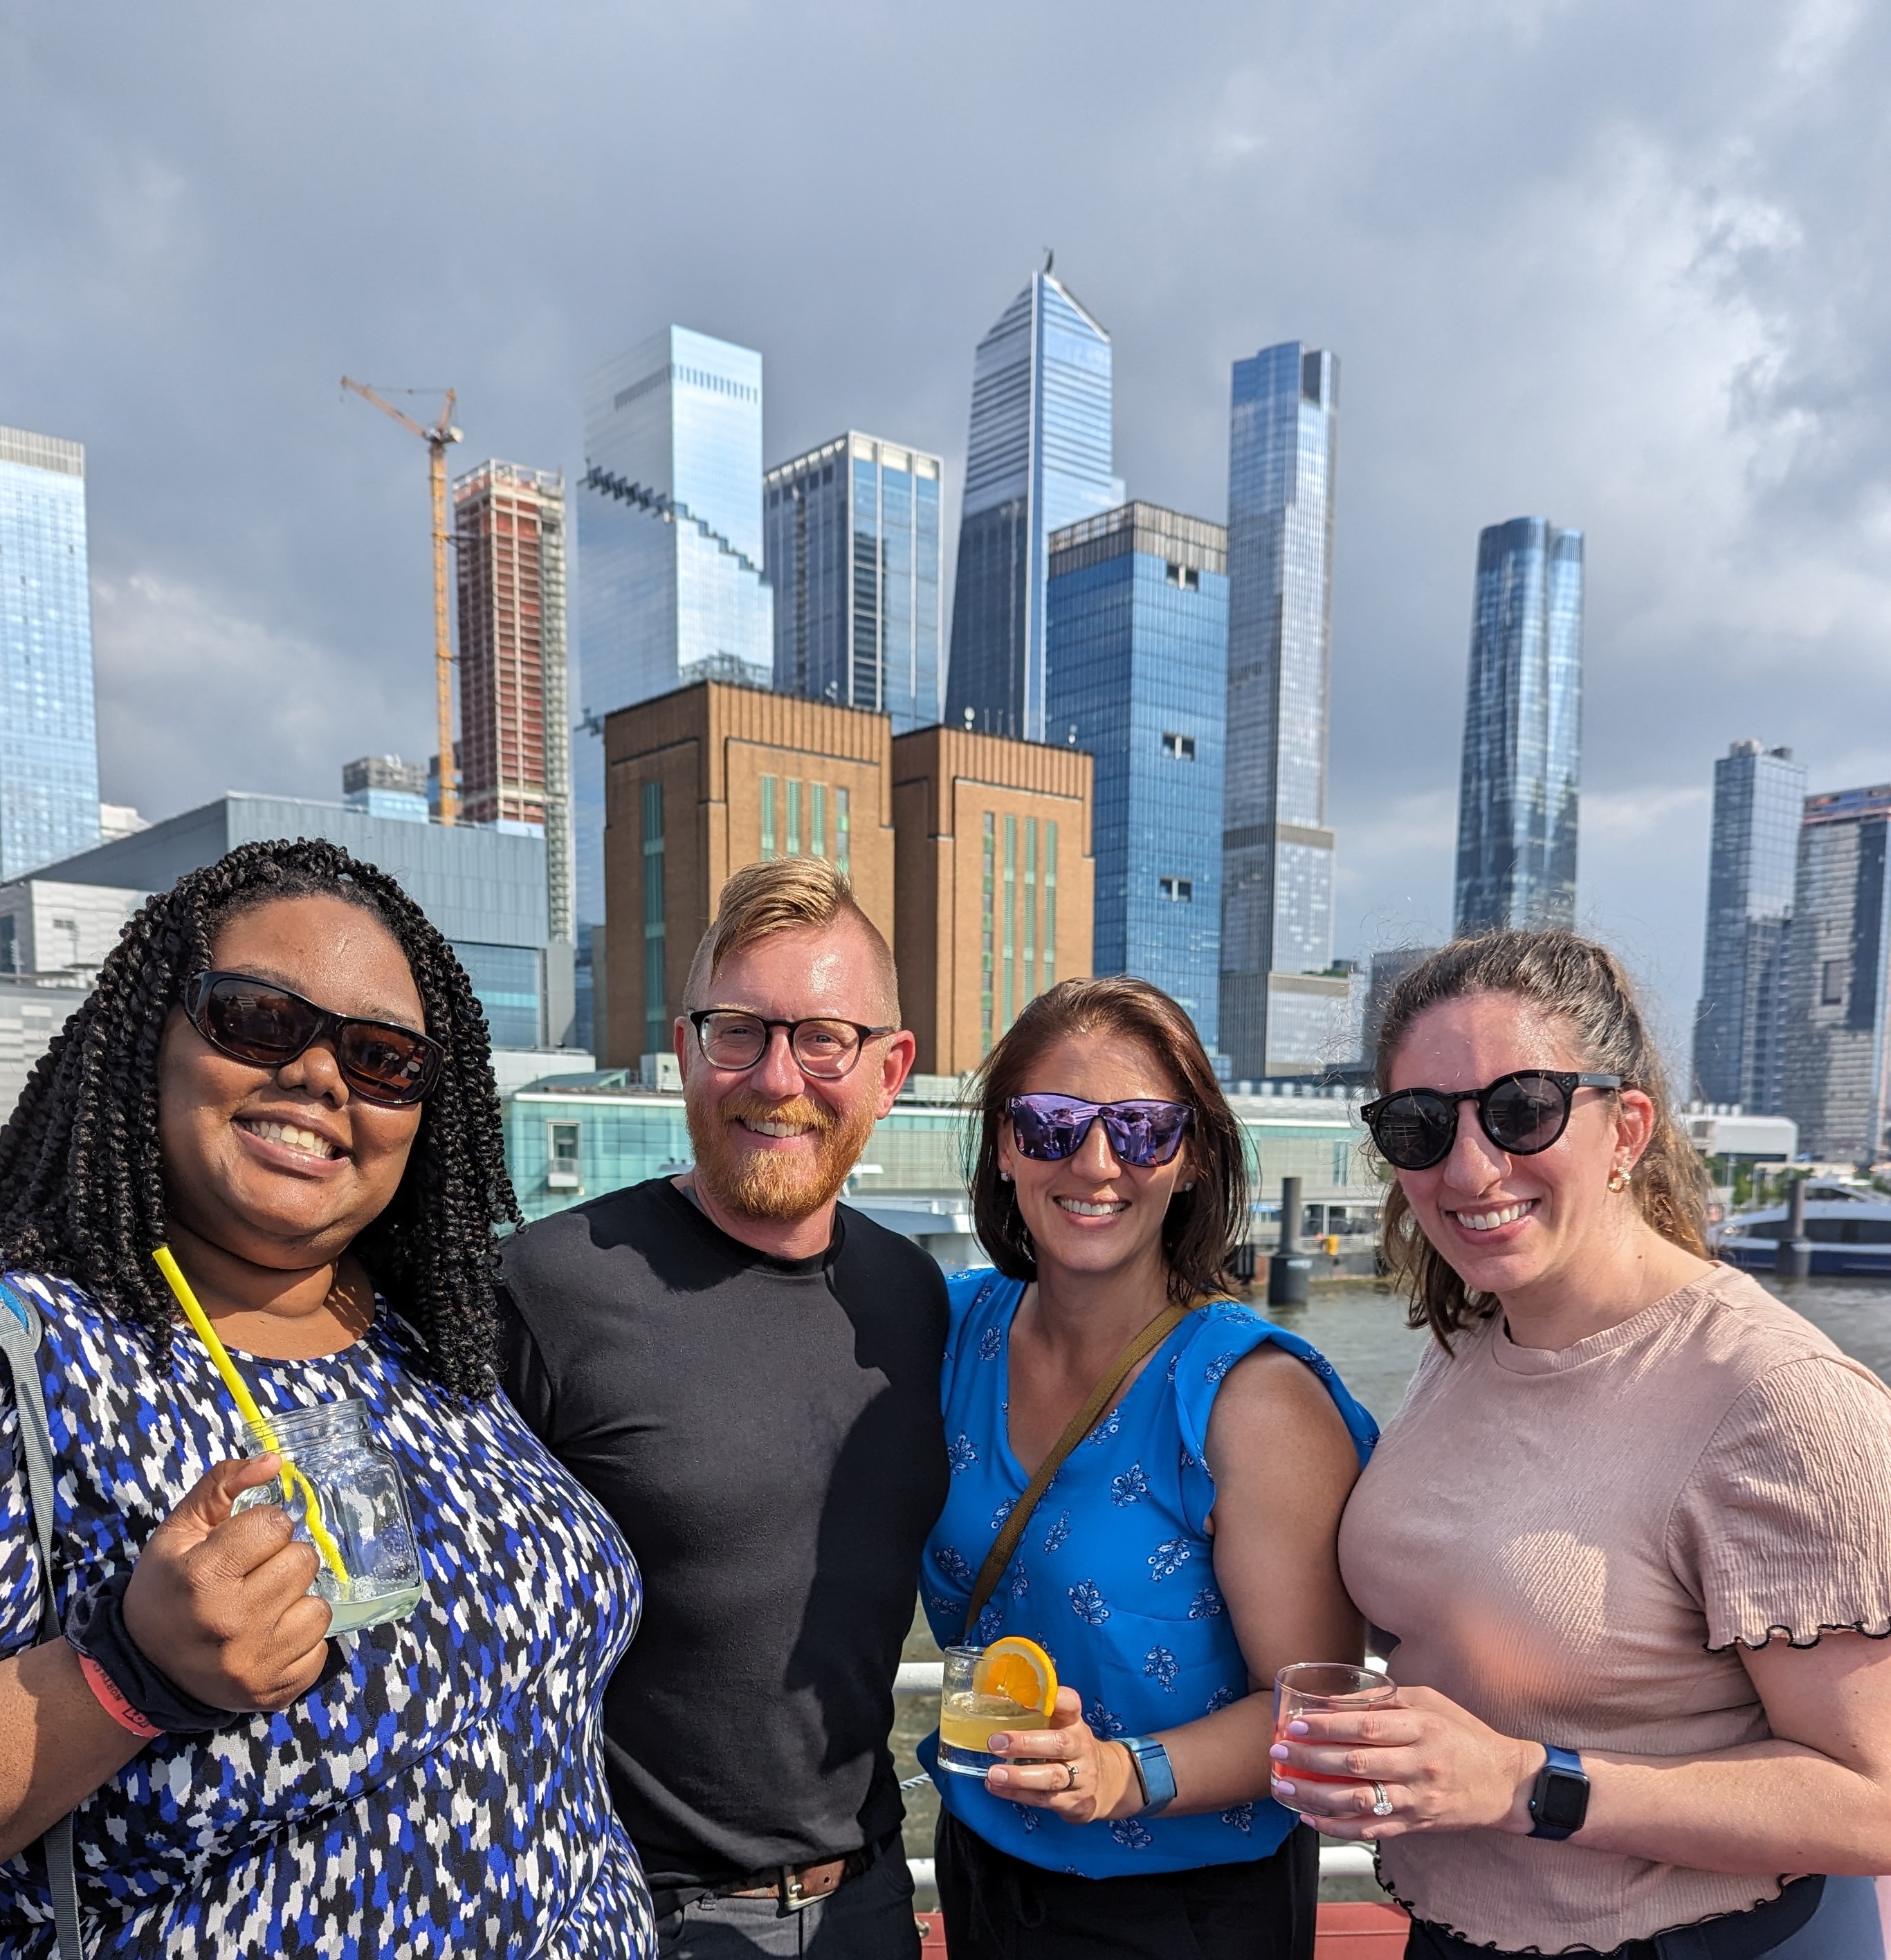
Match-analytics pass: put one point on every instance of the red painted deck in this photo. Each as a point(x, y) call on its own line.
point(1346, 1932)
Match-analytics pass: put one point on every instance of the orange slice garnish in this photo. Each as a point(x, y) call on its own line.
point(1020, 1670)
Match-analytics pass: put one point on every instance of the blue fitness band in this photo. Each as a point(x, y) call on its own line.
point(1560, 1802)
point(1153, 1772)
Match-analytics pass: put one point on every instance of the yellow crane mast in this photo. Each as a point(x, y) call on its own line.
point(436, 438)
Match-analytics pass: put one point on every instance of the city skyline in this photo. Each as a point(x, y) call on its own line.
point(1694, 370)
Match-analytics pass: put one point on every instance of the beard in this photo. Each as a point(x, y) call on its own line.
point(769, 1184)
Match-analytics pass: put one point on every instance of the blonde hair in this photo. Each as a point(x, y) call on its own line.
point(785, 895)
point(1583, 985)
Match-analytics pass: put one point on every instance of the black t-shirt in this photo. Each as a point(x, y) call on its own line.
point(767, 1434)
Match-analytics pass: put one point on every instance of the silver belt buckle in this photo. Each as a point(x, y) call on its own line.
point(793, 1899)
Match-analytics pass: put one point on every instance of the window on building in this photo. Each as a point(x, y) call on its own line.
point(1182, 890)
point(9, 947)
point(563, 1160)
point(656, 1013)
point(1831, 984)
point(794, 818)
point(1186, 575)
point(1179, 748)
point(1050, 905)
point(817, 819)
point(841, 840)
point(768, 818)
point(1008, 1001)
point(987, 907)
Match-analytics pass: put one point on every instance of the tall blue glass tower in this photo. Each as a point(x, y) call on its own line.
point(49, 738)
point(1523, 730)
point(1282, 1009)
point(1740, 1025)
point(1136, 617)
point(856, 559)
point(669, 584)
point(1038, 458)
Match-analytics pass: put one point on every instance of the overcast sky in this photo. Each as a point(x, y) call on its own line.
point(1619, 263)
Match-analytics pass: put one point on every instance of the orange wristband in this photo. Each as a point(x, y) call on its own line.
point(114, 1704)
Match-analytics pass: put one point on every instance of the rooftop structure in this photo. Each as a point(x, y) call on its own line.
point(48, 927)
point(49, 741)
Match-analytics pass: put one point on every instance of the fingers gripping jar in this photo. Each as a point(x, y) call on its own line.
point(344, 1496)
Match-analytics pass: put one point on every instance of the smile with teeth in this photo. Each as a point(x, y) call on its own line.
point(1081, 1208)
point(763, 1126)
point(290, 1137)
point(1488, 1221)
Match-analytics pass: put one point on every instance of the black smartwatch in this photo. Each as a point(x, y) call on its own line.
point(1559, 1802)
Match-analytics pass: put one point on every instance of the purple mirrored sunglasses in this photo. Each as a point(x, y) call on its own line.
point(1049, 1128)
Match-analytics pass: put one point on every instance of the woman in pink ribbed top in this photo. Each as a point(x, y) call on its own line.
point(1630, 1530)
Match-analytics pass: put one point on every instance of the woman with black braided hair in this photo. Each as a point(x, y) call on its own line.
point(283, 1075)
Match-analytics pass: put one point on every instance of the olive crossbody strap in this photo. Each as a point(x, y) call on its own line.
point(1079, 1425)
point(19, 1345)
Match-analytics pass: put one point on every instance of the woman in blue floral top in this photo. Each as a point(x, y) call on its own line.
point(1184, 1549)
point(283, 1075)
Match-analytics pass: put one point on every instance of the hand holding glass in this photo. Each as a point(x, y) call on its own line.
point(1324, 1688)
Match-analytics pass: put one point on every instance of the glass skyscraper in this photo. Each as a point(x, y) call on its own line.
point(856, 561)
point(669, 584)
point(1136, 619)
point(1838, 977)
point(1523, 730)
point(1740, 1025)
point(1282, 1010)
point(49, 738)
point(1038, 458)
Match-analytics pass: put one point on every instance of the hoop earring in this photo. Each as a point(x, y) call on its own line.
point(1618, 1179)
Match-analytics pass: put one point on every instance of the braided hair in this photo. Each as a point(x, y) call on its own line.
point(81, 1177)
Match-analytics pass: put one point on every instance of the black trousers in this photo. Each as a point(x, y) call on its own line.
point(998, 1908)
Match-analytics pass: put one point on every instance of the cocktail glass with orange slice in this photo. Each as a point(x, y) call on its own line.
point(1012, 1684)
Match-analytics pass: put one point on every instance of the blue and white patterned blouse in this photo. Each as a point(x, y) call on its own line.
point(442, 1793)
point(1115, 1576)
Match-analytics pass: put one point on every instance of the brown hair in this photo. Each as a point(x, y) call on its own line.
point(1584, 986)
point(781, 895)
point(1204, 1223)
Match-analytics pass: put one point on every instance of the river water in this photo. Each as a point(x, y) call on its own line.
point(1360, 1328)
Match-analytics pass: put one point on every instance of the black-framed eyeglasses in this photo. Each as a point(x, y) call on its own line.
point(265, 1023)
point(1145, 1132)
point(1522, 1112)
point(823, 1047)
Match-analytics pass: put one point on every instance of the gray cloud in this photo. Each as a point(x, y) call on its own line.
point(1620, 265)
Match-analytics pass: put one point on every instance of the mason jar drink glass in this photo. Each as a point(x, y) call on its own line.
point(344, 1496)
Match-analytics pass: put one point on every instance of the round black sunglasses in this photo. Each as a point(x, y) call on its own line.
point(1522, 1112)
point(266, 1024)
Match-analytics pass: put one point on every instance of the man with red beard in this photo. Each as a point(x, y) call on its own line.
point(745, 1374)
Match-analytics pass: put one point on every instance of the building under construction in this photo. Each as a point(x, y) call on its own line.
point(514, 757)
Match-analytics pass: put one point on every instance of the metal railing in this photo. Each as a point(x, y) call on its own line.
point(927, 1677)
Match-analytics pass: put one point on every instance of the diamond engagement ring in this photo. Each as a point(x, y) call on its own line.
point(1381, 1803)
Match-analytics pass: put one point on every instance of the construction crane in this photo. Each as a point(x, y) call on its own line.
point(436, 438)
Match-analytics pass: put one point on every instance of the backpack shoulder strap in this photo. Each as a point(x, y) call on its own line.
point(20, 1331)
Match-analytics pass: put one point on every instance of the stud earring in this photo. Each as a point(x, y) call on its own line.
point(1618, 1179)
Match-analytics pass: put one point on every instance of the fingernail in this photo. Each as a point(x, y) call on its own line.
point(1298, 1728)
point(997, 1744)
point(1284, 1790)
point(998, 1775)
point(1278, 1752)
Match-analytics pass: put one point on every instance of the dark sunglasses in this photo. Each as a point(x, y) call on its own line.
point(1523, 1113)
point(1049, 1128)
point(257, 1021)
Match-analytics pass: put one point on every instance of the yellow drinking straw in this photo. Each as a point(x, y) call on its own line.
point(246, 1408)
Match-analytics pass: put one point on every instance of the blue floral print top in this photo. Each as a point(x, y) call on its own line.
point(1115, 1576)
point(441, 1791)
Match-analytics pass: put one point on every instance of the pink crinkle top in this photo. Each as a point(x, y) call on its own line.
point(1575, 1545)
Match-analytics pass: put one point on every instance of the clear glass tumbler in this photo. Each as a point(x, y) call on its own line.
point(969, 1715)
point(358, 1518)
point(1324, 1687)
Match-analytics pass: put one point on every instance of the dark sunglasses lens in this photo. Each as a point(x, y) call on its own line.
point(1048, 1129)
point(1413, 1132)
point(384, 1063)
point(1526, 1114)
point(256, 1023)
point(1148, 1134)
